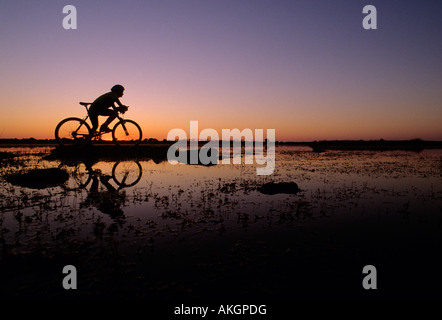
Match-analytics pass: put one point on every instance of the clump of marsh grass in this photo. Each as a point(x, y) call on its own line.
point(8, 159)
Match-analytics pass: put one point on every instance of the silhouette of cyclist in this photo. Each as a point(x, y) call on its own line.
point(102, 107)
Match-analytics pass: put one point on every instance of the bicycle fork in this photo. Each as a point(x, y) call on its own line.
point(123, 124)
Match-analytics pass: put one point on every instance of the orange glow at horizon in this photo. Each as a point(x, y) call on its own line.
point(307, 124)
point(327, 80)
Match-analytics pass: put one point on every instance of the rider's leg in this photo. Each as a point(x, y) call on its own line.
point(105, 181)
point(94, 121)
point(112, 115)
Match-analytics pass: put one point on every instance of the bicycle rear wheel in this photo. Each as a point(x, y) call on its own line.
point(127, 133)
point(79, 177)
point(72, 131)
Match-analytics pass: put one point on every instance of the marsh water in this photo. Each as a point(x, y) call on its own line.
point(138, 228)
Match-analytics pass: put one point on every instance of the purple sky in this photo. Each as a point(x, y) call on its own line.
point(305, 68)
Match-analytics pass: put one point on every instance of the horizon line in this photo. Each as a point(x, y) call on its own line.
point(243, 141)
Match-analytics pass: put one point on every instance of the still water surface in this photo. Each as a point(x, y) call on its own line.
point(139, 206)
point(182, 201)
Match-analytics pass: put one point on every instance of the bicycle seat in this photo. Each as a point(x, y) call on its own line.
point(85, 103)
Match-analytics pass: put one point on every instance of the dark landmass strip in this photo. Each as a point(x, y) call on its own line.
point(378, 145)
point(157, 153)
point(318, 146)
point(31, 142)
point(6, 155)
point(39, 178)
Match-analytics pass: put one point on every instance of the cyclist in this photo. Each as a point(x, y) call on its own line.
point(101, 107)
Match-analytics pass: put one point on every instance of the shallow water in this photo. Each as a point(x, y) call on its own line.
point(133, 208)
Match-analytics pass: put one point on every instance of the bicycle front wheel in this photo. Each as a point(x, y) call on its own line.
point(127, 173)
point(127, 133)
point(72, 131)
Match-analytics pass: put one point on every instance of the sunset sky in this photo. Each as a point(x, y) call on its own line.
point(307, 69)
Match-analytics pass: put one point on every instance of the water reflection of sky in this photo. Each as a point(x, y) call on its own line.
point(171, 202)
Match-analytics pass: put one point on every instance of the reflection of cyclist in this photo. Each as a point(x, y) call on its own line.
point(101, 107)
point(108, 201)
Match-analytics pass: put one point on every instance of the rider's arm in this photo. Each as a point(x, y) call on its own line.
point(119, 104)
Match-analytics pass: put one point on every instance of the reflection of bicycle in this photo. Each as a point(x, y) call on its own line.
point(73, 130)
point(124, 174)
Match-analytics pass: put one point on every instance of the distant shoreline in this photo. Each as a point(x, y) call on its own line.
point(318, 146)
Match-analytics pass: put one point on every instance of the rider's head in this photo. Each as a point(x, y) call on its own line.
point(118, 89)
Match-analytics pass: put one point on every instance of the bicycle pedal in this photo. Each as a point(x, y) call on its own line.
point(107, 130)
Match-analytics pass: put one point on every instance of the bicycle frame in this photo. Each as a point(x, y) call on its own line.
point(83, 120)
point(125, 173)
point(99, 134)
point(73, 129)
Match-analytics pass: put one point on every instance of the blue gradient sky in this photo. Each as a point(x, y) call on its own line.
point(305, 68)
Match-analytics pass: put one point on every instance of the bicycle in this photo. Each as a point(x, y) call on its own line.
point(124, 173)
point(76, 131)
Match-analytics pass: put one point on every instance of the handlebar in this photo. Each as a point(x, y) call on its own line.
point(123, 109)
